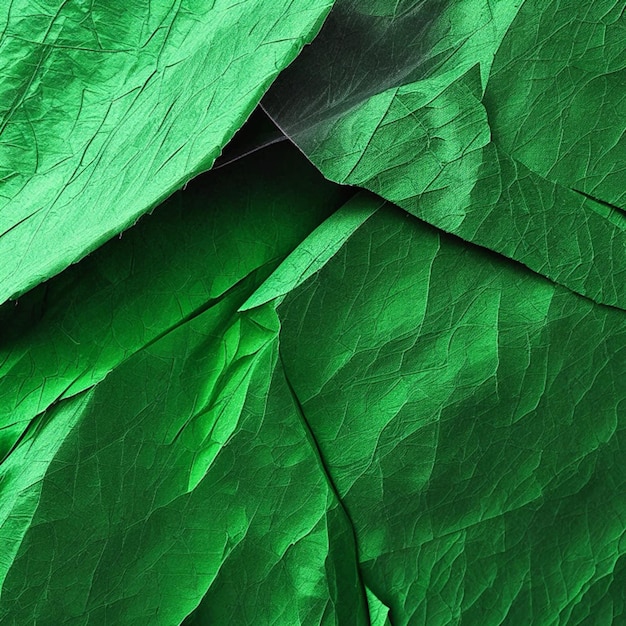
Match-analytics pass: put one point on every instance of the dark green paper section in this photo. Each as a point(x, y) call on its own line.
point(147, 454)
point(278, 400)
point(471, 415)
point(193, 482)
point(66, 335)
point(413, 430)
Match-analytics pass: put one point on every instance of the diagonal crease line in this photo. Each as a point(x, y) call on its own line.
point(284, 132)
point(326, 471)
point(315, 251)
point(4, 576)
point(219, 163)
point(467, 241)
point(36, 420)
point(500, 256)
point(261, 270)
point(20, 221)
point(613, 207)
point(243, 145)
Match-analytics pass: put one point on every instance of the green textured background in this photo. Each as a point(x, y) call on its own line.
point(369, 369)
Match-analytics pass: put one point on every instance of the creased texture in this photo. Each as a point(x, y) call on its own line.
point(395, 397)
point(458, 135)
point(107, 108)
point(470, 413)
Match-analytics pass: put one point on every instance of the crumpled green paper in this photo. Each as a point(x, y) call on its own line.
point(109, 107)
point(369, 370)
